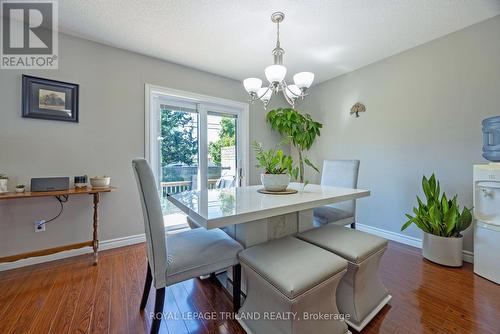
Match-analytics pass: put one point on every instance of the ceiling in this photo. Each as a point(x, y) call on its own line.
point(234, 38)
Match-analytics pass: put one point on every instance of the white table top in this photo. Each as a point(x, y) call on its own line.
point(223, 207)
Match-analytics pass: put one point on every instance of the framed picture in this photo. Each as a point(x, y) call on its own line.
point(50, 99)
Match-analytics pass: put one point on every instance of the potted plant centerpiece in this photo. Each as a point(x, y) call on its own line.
point(278, 167)
point(442, 223)
point(20, 188)
point(3, 183)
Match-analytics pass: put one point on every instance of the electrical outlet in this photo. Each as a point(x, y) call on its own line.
point(40, 226)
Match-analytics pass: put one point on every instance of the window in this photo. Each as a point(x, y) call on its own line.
point(194, 142)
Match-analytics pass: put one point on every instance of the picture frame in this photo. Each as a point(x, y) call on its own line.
point(49, 99)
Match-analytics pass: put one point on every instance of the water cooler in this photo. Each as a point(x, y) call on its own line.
point(487, 221)
point(487, 205)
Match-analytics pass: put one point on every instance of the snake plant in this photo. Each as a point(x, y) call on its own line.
point(439, 215)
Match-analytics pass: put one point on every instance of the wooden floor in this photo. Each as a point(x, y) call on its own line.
point(72, 296)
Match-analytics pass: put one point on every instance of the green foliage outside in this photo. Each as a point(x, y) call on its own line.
point(227, 137)
point(178, 144)
point(439, 216)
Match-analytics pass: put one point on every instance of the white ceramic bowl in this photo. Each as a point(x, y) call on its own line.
point(100, 182)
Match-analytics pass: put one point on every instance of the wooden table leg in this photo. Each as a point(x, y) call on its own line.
point(95, 241)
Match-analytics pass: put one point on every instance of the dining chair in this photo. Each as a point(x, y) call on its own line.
point(228, 181)
point(181, 256)
point(338, 173)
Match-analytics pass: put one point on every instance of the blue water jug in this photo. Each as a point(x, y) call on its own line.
point(491, 139)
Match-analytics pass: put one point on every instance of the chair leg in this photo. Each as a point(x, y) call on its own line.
point(147, 287)
point(353, 226)
point(158, 315)
point(236, 287)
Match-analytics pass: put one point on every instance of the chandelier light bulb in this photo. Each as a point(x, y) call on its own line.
point(252, 85)
point(275, 73)
point(293, 92)
point(303, 79)
point(265, 94)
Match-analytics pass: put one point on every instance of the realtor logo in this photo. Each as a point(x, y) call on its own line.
point(29, 34)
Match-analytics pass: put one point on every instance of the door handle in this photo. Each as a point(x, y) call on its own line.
point(240, 176)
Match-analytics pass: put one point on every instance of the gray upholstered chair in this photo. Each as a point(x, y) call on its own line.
point(338, 173)
point(181, 256)
point(228, 181)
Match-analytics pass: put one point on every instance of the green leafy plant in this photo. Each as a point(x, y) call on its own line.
point(274, 161)
point(298, 129)
point(439, 216)
point(227, 137)
point(20, 186)
point(3, 177)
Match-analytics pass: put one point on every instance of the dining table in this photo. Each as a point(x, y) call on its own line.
point(251, 217)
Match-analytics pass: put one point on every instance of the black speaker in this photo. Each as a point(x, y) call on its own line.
point(49, 183)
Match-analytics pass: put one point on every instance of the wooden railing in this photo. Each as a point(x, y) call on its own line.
point(180, 186)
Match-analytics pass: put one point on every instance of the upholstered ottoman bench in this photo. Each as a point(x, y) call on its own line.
point(361, 293)
point(291, 288)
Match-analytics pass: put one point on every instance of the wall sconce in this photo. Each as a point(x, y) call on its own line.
point(357, 108)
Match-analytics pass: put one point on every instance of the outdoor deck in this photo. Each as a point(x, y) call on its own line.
point(180, 186)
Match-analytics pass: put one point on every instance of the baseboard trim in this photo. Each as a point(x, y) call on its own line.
point(401, 238)
point(136, 239)
point(468, 256)
point(103, 245)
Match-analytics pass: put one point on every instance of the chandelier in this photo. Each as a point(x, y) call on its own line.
point(275, 74)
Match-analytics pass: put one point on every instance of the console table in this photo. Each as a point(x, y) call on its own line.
point(94, 243)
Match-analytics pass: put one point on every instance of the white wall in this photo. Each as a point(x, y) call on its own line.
point(424, 113)
point(109, 135)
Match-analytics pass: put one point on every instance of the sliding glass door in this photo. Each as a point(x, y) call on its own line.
point(194, 144)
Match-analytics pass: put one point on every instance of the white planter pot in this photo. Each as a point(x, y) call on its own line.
point(441, 250)
point(275, 182)
point(3, 185)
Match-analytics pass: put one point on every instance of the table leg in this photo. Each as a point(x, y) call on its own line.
point(259, 231)
point(95, 241)
point(305, 220)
